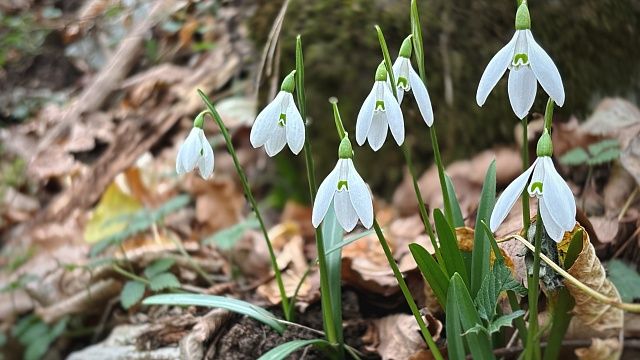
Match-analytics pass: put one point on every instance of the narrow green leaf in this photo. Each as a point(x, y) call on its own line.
point(575, 248)
point(387, 61)
point(157, 267)
point(481, 246)
point(131, 293)
point(560, 319)
point(432, 272)
point(453, 261)
point(348, 240)
point(282, 351)
point(458, 220)
point(332, 234)
point(479, 344)
point(455, 341)
point(300, 94)
point(416, 30)
point(235, 305)
point(164, 281)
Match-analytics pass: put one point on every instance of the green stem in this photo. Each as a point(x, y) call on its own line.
point(533, 348)
point(422, 207)
point(407, 294)
point(443, 184)
point(325, 298)
point(526, 214)
point(129, 275)
point(247, 190)
point(548, 115)
point(336, 117)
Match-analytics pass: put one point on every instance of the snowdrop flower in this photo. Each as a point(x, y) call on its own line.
point(348, 192)
point(196, 151)
point(279, 123)
point(379, 111)
point(528, 64)
point(555, 199)
point(407, 79)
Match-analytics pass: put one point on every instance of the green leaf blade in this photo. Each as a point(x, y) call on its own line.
point(164, 281)
point(481, 246)
point(432, 272)
point(282, 351)
point(235, 305)
point(453, 260)
point(158, 266)
point(458, 220)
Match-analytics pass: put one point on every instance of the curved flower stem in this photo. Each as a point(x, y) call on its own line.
point(635, 308)
point(247, 190)
point(407, 294)
point(533, 348)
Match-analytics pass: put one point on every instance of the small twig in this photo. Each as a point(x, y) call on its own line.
point(627, 203)
point(587, 290)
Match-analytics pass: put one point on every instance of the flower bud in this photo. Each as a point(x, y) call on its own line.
point(523, 20)
point(289, 82)
point(381, 72)
point(407, 46)
point(345, 151)
point(545, 145)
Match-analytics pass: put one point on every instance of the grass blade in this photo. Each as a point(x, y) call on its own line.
point(432, 272)
point(332, 234)
point(282, 351)
point(458, 220)
point(455, 341)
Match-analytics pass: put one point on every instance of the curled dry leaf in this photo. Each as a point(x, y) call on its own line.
point(397, 337)
point(602, 318)
point(609, 349)
point(192, 346)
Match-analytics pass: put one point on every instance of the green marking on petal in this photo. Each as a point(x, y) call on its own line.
point(403, 83)
point(520, 59)
point(343, 185)
point(536, 187)
point(282, 121)
point(379, 105)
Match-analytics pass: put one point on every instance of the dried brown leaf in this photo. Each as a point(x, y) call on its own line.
point(600, 317)
point(609, 349)
point(397, 337)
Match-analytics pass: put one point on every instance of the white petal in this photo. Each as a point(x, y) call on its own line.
point(360, 196)
point(396, 73)
point(378, 130)
point(189, 151)
point(422, 96)
point(266, 121)
point(553, 229)
point(394, 116)
point(363, 123)
point(324, 196)
point(545, 70)
point(495, 69)
point(205, 164)
point(522, 90)
point(509, 197)
point(277, 141)
point(537, 177)
point(558, 195)
point(346, 214)
point(294, 128)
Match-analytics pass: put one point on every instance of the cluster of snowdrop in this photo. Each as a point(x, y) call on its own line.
point(280, 124)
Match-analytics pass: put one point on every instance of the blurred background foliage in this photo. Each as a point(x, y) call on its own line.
point(595, 44)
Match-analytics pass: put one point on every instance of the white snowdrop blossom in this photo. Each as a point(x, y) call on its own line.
point(408, 80)
point(195, 152)
point(528, 64)
point(345, 189)
point(379, 112)
point(555, 199)
point(279, 123)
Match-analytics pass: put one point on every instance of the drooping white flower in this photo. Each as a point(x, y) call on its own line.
point(345, 189)
point(407, 80)
point(555, 199)
point(528, 64)
point(195, 152)
point(379, 112)
point(279, 123)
